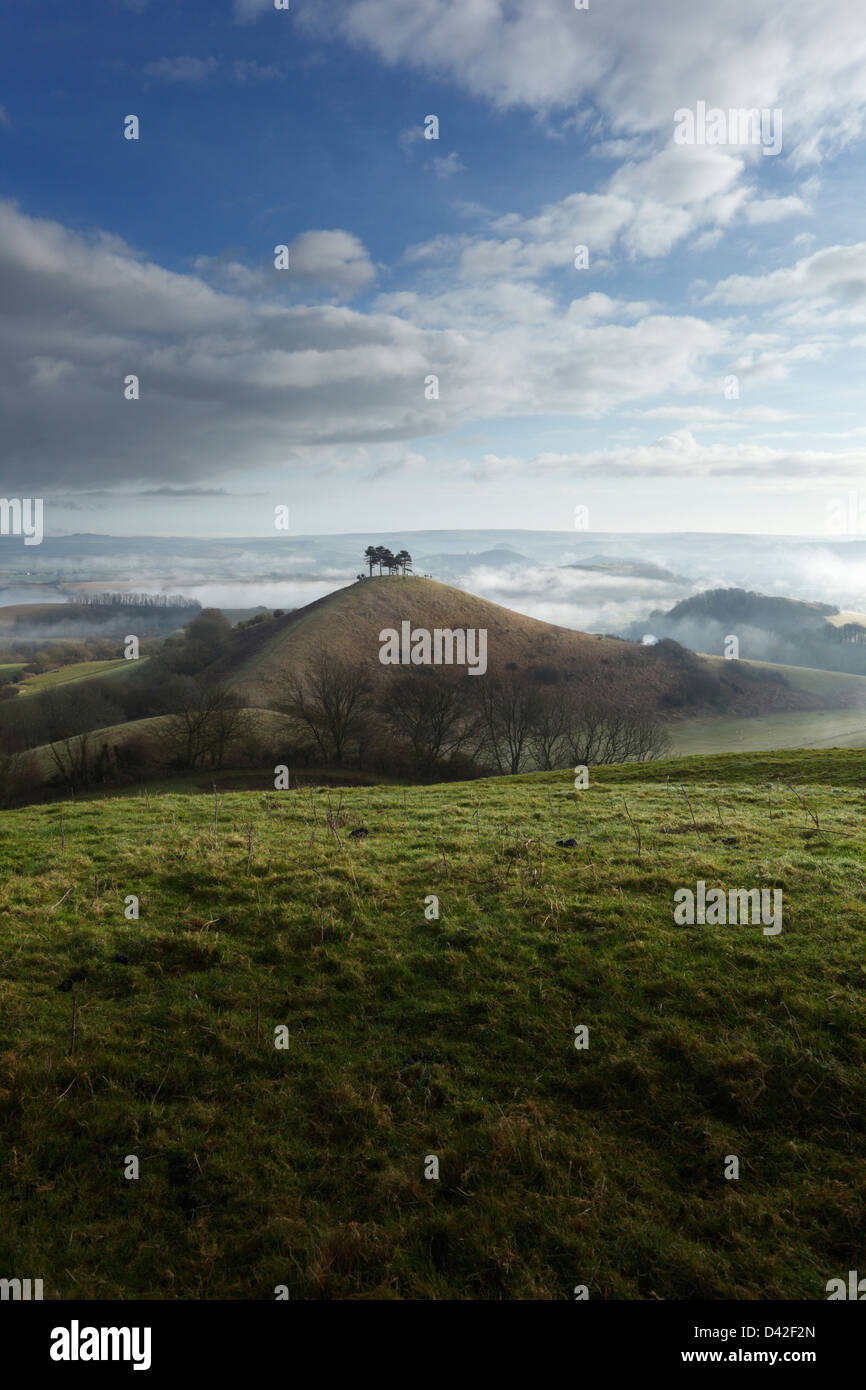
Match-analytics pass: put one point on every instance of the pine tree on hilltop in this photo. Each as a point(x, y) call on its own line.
point(380, 555)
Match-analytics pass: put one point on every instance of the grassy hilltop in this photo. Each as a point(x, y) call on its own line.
point(455, 1037)
point(348, 621)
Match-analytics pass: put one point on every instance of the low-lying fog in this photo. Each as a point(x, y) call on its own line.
point(528, 571)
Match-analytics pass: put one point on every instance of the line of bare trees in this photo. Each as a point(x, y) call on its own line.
point(135, 600)
point(199, 733)
point(427, 718)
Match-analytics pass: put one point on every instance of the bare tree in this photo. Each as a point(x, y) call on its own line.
point(71, 758)
point(203, 724)
point(551, 728)
point(606, 734)
point(331, 700)
point(550, 733)
point(429, 709)
point(508, 710)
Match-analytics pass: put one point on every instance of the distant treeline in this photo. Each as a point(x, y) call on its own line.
point(113, 600)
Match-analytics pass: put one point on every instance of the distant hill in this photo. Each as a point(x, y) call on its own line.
point(664, 678)
point(150, 735)
point(500, 557)
point(769, 628)
point(731, 606)
point(627, 569)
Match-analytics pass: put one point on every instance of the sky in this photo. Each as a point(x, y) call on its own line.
point(437, 352)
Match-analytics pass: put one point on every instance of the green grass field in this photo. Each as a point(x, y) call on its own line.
point(840, 688)
point(78, 671)
point(411, 1037)
point(833, 728)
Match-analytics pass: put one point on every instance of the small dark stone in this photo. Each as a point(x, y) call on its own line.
point(729, 840)
point(180, 1172)
point(567, 844)
point(358, 833)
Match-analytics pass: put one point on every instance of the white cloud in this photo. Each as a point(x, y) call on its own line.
point(248, 70)
point(331, 257)
point(180, 69)
point(808, 59)
point(774, 209)
point(832, 274)
point(332, 264)
point(611, 71)
point(246, 10)
point(446, 166)
point(410, 136)
point(680, 455)
point(229, 380)
point(689, 193)
point(704, 414)
point(517, 247)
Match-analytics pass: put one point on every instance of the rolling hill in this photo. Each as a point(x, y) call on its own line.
point(454, 1036)
point(347, 623)
point(151, 734)
point(733, 607)
point(79, 671)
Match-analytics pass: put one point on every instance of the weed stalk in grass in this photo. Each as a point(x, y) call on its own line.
point(812, 814)
point(634, 827)
point(441, 844)
point(689, 804)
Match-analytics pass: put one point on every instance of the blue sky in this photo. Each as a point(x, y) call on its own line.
point(602, 387)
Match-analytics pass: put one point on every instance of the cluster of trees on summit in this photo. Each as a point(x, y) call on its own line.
point(380, 555)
